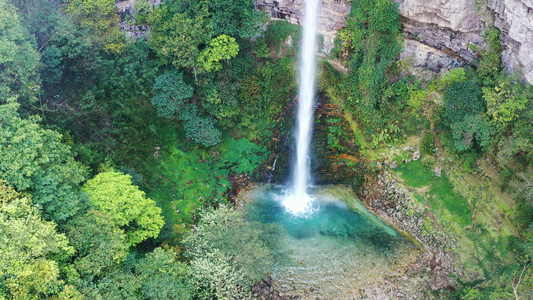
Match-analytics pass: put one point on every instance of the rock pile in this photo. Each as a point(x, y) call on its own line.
point(264, 290)
point(393, 203)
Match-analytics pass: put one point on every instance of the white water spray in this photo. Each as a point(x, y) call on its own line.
point(299, 202)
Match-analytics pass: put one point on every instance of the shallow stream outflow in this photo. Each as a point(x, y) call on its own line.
point(336, 250)
point(299, 200)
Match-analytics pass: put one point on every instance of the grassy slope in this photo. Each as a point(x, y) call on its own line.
point(466, 202)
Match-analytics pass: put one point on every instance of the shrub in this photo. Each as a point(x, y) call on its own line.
point(227, 254)
point(490, 64)
point(474, 129)
point(427, 145)
point(113, 193)
point(461, 99)
point(198, 128)
point(279, 31)
point(171, 92)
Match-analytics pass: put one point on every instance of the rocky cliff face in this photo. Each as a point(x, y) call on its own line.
point(515, 20)
point(452, 25)
point(126, 10)
point(439, 33)
point(332, 15)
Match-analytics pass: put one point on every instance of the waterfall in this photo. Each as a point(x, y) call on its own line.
point(299, 201)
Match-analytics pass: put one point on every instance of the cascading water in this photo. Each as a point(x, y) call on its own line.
point(299, 201)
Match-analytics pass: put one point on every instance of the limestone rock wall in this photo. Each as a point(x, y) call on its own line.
point(452, 25)
point(515, 19)
point(439, 33)
point(126, 10)
point(332, 15)
point(445, 25)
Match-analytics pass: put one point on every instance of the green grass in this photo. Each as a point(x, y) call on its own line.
point(481, 244)
point(415, 174)
point(456, 204)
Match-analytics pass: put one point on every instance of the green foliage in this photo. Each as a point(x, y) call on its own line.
point(516, 142)
point(142, 9)
point(453, 76)
point(39, 17)
point(188, 185)
point(220, 99)
point(335, 134)
point(470, 294)
point(162, 277)
point(235, 17)
point(98, 91)
point(100, 244)
point(427, 145)
point(525, 192)
point(509, 146)
point(241, 156)
point(214, 277)
point(456, 204)
point(504, 102)
point(170, 93)
point(474, 128)
point(426, 101)
point(265, 95)
point(30, 249)
point(372, 38)
point(19, 61)
point(71, 57)
point(200, 129)
point(51, 59)
point(232, 17)
point(462, 99)
point(420, 101)
point(279, 31)
point(116, 285)
point(386, 135)
point(228, 254)
point(199, 34)
point(464, 113)
point(114, 194)
point(501, 294)
point(222, 47)
point(103, 106)
point(33, 159)
point(260, 48)
point(100, 17)
point(490, 64)
point(195, 179)
point(253, 26)
point(177, 37)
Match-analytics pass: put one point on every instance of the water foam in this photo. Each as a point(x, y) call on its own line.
point(299, 201)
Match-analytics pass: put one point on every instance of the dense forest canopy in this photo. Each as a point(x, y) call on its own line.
point(120, 157)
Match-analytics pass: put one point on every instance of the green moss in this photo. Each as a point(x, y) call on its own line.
point(415, 174)
point(442, 195)
point(451, 200)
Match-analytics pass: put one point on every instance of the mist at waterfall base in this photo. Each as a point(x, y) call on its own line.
point(299, 202)
point(335, 249)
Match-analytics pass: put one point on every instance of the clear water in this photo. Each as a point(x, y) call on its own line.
point(336, 249)
point(299, 201)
